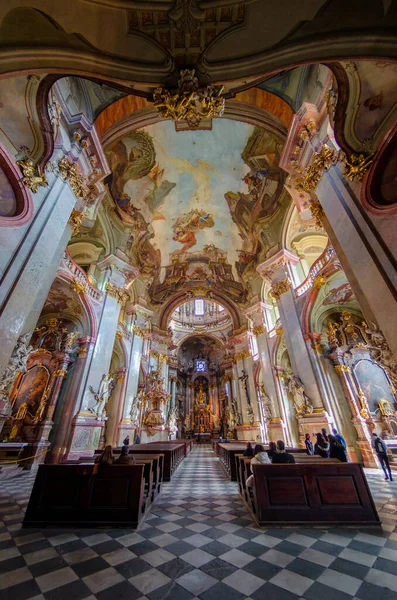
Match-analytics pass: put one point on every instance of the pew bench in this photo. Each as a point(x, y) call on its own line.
point(87, 495)
point(316, 493)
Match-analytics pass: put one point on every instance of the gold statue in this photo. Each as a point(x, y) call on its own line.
point(201, 396)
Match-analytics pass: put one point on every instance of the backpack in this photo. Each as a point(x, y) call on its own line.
point(380, 446)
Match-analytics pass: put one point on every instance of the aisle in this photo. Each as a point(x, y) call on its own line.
point(198, 541)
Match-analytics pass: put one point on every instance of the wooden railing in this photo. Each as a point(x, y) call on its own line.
point(317, 266)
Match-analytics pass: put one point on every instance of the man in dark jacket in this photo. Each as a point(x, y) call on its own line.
point(282, 456)
point(381, 451)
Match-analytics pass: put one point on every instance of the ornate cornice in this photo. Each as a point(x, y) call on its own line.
point(116, 292)
point(162, 358)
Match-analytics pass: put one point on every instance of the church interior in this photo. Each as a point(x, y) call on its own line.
point(198, 225)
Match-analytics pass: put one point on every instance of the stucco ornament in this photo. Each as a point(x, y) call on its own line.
point(16, 364)
point(380, 350)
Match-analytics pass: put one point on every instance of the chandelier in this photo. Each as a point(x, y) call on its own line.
point(189, 103)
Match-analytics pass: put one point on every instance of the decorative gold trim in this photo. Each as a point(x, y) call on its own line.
point(189, 103)
point(321, 162)
point(119, 335)
point(60, 373)
point(116, 292)
point(77, 286)
point(32, 176)
point(259, 329)
point(280, 288)
point(162, 358)
point(357, 165)
point(82, 352)
point(318, 348)
point(75, 219)
point(241, 355)
point(139, 331)
point(342, 369)
point(317, 213)
point(279, 331)
point(319, 281)
point(69, 172)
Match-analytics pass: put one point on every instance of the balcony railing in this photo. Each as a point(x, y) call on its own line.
point(325, 258)
point(80, 277)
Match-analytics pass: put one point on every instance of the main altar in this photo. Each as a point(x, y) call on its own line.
point(201, 422)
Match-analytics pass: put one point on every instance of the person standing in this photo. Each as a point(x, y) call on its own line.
point(127, 441)
point(339, 438)
point(336, 450)
point(309, 445)
point(381, 451)
point(282, 456)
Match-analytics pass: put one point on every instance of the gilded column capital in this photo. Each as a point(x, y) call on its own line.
point(75, 220)
point(259, 330)
point(139, 331)
point(280, 288)
point(116, 292)
point(69, 172)
point(241, 355)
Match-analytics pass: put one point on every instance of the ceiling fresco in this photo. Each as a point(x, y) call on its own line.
point(193, 200)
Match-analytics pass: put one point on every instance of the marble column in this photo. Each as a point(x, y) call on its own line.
point(365, 256)
point(275, 426)
point(65, 414)
point(87, 428)
point(33, 253)
point(125, 426)
point(277, 270)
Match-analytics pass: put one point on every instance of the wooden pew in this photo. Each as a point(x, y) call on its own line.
point(87, 496)
point(318, 493)
point(173, 454)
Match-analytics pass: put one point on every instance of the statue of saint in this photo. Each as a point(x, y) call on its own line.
point(201, 397)
point(135, 409)
point(300, 399)
point(102, 396)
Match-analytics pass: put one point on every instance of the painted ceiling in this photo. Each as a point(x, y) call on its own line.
point(193, 200)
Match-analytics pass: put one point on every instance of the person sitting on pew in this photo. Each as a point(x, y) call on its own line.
point(336, 450)
point(106, 458)
point(272, 450)
point(260, 458)
point(249, 451)
point(309, 445)
point(124, 458)
point(321, 447)
point(282, 456)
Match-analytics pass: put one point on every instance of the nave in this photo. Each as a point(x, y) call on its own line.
point(198, 541)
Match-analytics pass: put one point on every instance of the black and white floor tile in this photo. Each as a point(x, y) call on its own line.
point(198, 541)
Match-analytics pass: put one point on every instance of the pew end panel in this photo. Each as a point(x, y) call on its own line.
point(313, 494)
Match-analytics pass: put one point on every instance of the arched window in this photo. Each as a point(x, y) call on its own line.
point(199, 307)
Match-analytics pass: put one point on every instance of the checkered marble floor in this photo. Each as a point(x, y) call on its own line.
point(198, 541)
